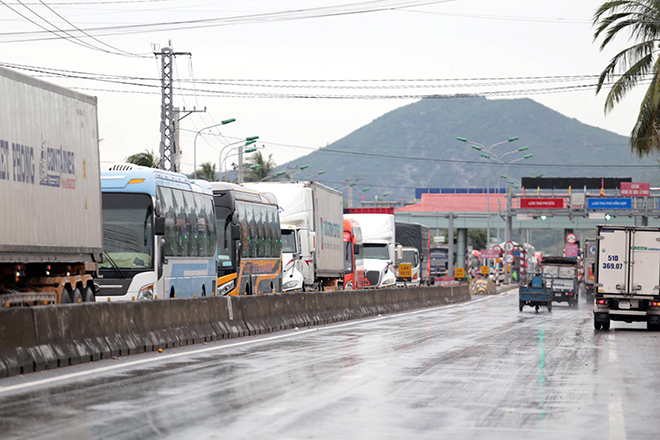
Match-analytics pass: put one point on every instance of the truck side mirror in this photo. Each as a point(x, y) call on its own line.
point(399, 252)
point(159, 225)
point(235, 232)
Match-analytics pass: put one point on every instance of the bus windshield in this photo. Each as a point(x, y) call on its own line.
point(127, 231)
point(288, 240)
point(223, 216)
point(376, 251)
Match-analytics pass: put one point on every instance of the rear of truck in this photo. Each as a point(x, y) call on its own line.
point(414, 236)
point(627, 280)
point(561, 274)
point(50, 224)
point(329, 228)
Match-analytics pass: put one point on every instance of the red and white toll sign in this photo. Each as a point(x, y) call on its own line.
point(571, 238)
point(508, 246)
point(509, 258)
point(497, 248)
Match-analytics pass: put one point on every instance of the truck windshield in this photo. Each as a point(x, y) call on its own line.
point(376, 251)
point(409, 256)
point(439, 257)
point(128, 237)
point(288, 240)
point(559, 271)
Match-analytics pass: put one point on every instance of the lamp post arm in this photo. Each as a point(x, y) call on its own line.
point(195, 142)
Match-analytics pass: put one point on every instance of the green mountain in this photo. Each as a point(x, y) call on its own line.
point(415, 147)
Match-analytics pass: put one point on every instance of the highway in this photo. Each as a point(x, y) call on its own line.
point(480, 370)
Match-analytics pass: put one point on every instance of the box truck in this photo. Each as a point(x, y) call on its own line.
point(627, 278)
point(50, 193)
point(315, 211)
point(379, 241)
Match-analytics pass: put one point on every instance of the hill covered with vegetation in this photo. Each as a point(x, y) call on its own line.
point(415, 146)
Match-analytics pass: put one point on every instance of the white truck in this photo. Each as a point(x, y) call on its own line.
point(316, 213)
point(292, 270)
point(379, 237)
point(50, 193)
point(627, 278)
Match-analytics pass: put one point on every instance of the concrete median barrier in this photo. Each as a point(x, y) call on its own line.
point(34, 339)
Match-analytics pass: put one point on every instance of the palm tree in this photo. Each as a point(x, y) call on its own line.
point(636, 64)
point(206, 171)
point(263, 171)
point(146, 159)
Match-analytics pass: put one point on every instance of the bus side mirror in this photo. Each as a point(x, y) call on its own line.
point(159, 225)
point(235, 232)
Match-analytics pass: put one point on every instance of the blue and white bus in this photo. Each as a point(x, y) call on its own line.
point(159, 235)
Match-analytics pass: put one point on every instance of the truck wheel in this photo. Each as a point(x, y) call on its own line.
point(77, 296)
point(520, 305)
point(652, 327)
point(66, 295)
point(536, 308)
point(88, 294)
point(606, 325)
point(597, 324)
point(550, 307)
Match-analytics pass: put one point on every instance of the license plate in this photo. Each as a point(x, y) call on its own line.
point(624, 305)
point(558, 294)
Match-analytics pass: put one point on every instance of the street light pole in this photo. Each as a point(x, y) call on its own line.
point(480, 147)
point(225, 122)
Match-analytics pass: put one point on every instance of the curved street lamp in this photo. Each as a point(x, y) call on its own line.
point(225, 122)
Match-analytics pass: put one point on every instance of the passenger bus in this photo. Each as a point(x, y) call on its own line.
point(159, 235)
point(353, 255)
point(249, 254)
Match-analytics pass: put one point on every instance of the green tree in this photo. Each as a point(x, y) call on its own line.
point(146, 159)
point(206, 171)
point(265, 168)
point(633, 65)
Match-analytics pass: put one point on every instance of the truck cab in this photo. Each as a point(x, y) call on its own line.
point(353, 256)
point(292, 260)
point(408, 267)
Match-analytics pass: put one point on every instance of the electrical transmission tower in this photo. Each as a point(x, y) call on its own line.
point(168, 146)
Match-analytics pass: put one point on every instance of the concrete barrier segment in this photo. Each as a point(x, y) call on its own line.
point(16, 334)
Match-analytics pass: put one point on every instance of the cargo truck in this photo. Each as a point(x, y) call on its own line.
point(315, 210)
point(378, 235)
point(415, 266)
point(50, 193)
point(627, 278)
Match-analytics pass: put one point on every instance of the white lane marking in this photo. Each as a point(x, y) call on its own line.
point(223, 347)
point(617, 423)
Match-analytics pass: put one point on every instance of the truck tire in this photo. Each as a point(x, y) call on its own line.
point(550, 307)
point(520, 305)
point(652, 327)
point(88, 295)
point(597, 324)
point(606, 325)
point(66, 295)
point(77, 296)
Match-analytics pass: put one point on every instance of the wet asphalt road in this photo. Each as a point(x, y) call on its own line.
point(476, 371)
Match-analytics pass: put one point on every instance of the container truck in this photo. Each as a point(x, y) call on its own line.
point(316, 212)
point(416, 264)
point(589, 261)
point(379, 237)
point(627, 278)
point(50, 193)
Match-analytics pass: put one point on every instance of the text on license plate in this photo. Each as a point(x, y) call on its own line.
point(558, 293)
point(624, 305)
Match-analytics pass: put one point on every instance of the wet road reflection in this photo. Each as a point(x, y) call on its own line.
point(480, 370)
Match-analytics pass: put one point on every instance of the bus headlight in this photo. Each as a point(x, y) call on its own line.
point(226, 288)
point(290, 284)
point(146, 292)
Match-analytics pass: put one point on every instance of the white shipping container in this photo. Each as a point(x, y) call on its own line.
point(50, 194)
point(611, 261)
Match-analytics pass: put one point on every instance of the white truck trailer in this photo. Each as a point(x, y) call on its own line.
point(627, 276)
point(50, 193)
point(379, 238)
point(316, 212)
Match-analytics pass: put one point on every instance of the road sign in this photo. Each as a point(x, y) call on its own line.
point(485, 271)
point(635, 189)
point(592, 250)
point(490, 253)
point(509, 258)
point(459, 272)
point(571, 238)
point(609, 203)
point(508, 246)
point(497, 248)
point(571, 250)
point(542, 203)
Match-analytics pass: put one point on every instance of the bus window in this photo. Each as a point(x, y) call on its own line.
point(191, 225)
point(210, 228)
point(169, 212)
point(181, 231)
point(200, 225)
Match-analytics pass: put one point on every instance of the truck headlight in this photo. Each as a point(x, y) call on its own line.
point(146, 292)
point(388, 281)
point(226, 288)
point(290, 284)
point(349, 286)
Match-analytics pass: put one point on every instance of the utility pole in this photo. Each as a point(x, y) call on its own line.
point(167, 126)
point(240, 165)
point(176, 165)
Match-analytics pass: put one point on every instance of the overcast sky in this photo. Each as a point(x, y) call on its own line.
point(276, 40)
